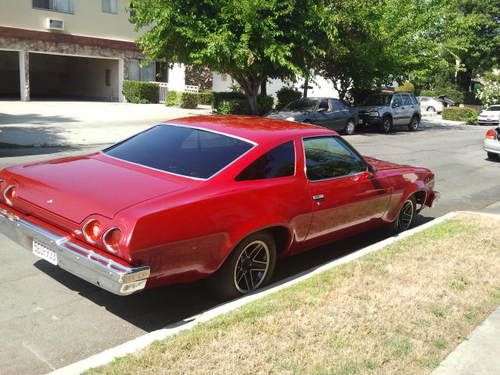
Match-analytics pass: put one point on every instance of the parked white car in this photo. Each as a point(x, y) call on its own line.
point(489, 116)
point(492, 143)
point(430, 104)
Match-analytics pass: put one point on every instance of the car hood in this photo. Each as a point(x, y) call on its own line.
point(381, 165)
point(75, 188)
point(283, 115)
point(369, 108)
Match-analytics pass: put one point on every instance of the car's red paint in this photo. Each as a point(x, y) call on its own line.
point(185, 228)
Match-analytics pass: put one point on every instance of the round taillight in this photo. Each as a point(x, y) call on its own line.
point(92, 230)
point(111, 239)
point(490, 134)
point(9, 194)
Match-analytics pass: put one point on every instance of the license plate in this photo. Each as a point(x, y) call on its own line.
point(42, 251)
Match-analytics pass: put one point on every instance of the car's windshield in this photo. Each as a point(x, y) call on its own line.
point(302, 105)
point(181, 150)
point(493, 108)
point(377, 99)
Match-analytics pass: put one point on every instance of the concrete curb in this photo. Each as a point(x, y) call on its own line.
point(142, 342)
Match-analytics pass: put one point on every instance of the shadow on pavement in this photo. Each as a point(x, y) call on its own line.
point(33, 119)
point(156, 308)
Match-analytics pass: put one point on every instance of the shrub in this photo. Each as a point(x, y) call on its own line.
point(460, 114)
point(286, 95)
point(206, 97)
point(489, 93)
point(141, 92)
point(189, 99)
point(405, 87)
point(219, 97)
point(173, 98)
point(236, 103)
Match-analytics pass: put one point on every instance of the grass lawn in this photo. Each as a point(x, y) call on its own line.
point(400, 310)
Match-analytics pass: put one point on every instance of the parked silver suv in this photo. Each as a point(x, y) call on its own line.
point(388, 110)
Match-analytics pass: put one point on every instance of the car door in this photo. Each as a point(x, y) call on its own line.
point(324, 116)
point(341, 112)
point(343, 191)
point(408, 108)
point(398, 115)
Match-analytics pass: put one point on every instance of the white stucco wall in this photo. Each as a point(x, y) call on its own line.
point(320, 86)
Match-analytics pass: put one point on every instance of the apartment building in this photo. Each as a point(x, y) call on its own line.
point(72, 49)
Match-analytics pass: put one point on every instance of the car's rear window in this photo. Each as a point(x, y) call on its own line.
point(181, 150)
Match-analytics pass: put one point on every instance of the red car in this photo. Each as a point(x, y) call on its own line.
point(217, 197)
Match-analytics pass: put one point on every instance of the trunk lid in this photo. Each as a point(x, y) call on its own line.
point(75, 188)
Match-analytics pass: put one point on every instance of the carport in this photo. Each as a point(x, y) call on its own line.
point(73, 77)
point(9, 75)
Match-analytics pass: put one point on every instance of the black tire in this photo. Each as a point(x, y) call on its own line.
point(350, 127)
point(406, 216)
point(243, 272)
point(387, 125)
point(414, 124)
point(431, 109)
point(493, 156)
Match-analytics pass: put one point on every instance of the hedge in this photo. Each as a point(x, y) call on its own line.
point(173, 98)
point(206, 97)
point(287, 95)
point(236, 103)
point(459, 114)
point(189, 100)
point(141, 92)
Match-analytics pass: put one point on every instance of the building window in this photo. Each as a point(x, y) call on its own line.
point(110, 6)
point(65, 6)
point(140, 72)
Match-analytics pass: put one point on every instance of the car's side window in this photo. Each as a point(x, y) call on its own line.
point(279, 162)
point(396, 101)
point(407, 100)
point(323, 105)
point(338, 105)
point(331, 157)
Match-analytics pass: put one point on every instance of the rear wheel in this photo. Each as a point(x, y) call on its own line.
point(431, 109)
point(406, 216)
point(387, 125)
point(414, 124)
point(249, 267)
point(493, 156)
point(350, 127)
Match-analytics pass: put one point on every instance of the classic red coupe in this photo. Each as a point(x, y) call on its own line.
point(216, 197)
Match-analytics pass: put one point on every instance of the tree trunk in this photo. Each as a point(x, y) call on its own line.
point(464, 79)
point(263, 87)
point(251, 88)
point(306, 85)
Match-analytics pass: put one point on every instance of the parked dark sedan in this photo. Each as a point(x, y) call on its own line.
point(327, 112)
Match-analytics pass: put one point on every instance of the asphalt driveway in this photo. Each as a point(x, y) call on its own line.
point(50, 318)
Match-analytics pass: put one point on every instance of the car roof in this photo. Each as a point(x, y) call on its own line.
point(255, 129)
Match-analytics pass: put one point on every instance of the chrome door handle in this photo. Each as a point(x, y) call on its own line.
point(318, 197)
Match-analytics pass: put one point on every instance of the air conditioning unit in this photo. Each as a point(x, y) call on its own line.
point(53, 24)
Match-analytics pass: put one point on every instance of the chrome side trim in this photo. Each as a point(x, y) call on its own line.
point(74, 258)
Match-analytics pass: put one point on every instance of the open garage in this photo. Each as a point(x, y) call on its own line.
point(73, 77)
point(9, 75)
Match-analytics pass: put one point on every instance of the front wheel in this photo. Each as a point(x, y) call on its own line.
point(414, 124)
point(249, 267)
point(350, 127)
point(406, 216)
point(432, 110)
point(387, 125)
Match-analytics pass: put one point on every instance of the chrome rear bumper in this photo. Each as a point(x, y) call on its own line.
point(80, 261)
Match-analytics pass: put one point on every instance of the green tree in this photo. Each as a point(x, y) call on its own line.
point(249, 39)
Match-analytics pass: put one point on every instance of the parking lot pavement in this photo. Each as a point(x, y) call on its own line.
point(52, 123)
point(50, 318)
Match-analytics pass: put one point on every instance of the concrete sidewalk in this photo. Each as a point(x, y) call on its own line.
point(479, 354)
point(51, 123)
